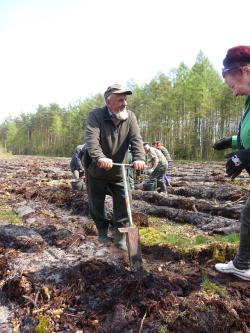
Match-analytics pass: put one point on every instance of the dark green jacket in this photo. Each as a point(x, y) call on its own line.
point(104, 139)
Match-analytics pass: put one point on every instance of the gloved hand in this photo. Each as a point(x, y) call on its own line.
point(237, 161)
point(223, 143)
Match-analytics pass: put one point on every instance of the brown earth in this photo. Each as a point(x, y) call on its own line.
point(55, 276)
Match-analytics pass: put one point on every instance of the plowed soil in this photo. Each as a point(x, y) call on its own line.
point(56, 277)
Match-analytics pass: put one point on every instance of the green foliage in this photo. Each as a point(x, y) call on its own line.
point(187, 110)
point(11, 131)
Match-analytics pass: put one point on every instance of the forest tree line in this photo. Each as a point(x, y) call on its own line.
point(187, 110)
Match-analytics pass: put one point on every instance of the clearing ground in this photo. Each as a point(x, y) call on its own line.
point(56, 277)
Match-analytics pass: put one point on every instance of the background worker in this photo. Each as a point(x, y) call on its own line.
point(236, 73)
point(157, 166)
point(165, 152)
point(76, 163)
point(108, 133)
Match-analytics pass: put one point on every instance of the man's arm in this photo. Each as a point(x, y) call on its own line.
point(153, 159)
point(92, 137)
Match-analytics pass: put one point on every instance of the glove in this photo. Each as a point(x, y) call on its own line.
point(223, 143)
point(237, 161)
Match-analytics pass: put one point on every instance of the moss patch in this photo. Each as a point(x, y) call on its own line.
point(186, 238)
point(212, 288)
point(44, 325)
point(7, 215)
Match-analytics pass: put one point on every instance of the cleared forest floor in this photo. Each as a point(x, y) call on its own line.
point(56, 277)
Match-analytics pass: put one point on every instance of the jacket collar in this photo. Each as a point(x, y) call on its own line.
point(107, 115)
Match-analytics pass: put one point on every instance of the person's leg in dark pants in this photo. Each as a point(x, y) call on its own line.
point(242, 259)
point(120, 214)
point(97, 189)
point(240, 265)
point(158, 174)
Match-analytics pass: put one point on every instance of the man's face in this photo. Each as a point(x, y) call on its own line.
point(117, 103)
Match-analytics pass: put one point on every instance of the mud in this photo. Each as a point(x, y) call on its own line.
point(56, 276)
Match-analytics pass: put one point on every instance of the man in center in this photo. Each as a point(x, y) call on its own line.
point(109, 132)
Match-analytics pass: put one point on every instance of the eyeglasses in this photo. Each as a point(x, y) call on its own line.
point(232, 70)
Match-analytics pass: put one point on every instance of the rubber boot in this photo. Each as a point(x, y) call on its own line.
point(103, 236)
point(119, 239)
point(162, 187)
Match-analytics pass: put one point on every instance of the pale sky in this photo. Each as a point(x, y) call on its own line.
point(60, 51)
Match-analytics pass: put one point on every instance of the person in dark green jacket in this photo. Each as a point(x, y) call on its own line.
point(236, 73)
point(108, 133)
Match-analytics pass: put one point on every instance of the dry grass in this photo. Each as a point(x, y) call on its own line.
point(4, 154)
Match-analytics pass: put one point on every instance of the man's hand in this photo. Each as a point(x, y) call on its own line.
point(223, 143)
point(237, 161)
point(105, 163)
point(138, 165)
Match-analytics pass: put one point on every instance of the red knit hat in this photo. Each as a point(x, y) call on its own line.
point(237, 56)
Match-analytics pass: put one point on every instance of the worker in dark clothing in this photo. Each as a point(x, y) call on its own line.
point(109, 132)
point(76, 163)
